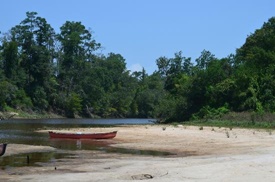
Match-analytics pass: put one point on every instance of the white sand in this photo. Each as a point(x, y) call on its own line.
point(211, 154)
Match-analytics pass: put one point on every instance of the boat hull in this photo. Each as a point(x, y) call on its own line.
point(108, 135)
point(3, 148)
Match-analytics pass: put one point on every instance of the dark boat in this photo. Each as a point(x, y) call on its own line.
point(3, 148)
point(79, 135)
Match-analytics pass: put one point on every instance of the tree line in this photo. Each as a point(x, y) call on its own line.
point(64, 73)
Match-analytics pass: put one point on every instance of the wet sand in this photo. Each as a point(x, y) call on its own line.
point(199, 154)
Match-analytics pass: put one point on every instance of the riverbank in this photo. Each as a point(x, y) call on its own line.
point(199, 154)
point(27, 115)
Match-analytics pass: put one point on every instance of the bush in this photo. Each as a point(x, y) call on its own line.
point(210, 113)
point(7, 94)
point(21, 101)
point(73, 105)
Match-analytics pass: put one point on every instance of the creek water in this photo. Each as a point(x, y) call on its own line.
point(23, 131)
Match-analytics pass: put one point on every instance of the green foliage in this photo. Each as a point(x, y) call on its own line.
point(172, 69)
point(44, 71)
point(166, 109)
point(21, 100)
point(73, 105)
point(40, 98)
point(10, 95)
point(10, 59)
point(6, 93)
point(214, 86)
point(210, 113)
point(149, 94)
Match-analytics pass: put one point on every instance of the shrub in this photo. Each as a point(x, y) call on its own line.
point(210, 113)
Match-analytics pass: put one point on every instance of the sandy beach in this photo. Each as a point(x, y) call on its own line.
point(197, 154)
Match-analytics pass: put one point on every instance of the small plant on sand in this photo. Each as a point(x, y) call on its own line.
point(175, 125)
point(163, 128)
point(227, 134)
point(201, 128)
point(212, 129)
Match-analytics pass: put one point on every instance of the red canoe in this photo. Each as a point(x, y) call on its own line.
point(108, 135)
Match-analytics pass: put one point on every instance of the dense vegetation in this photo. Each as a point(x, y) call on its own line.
point(64, 73)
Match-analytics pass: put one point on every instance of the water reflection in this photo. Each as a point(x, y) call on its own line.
point(31, 159)
point(23, 132)
point(79, 122)
point(83, 144)
point(137, 152)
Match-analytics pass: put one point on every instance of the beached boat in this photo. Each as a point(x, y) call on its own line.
point(2, 148)
point(79, 135)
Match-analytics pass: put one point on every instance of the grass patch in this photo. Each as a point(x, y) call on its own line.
point(232, 124)
point(19, 114)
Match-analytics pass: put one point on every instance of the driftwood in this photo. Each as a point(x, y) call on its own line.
point(7, 116)
point(157, 121)
point(89, 112)
point(142, 177)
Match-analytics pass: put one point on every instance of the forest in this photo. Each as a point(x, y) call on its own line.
point(64, 73)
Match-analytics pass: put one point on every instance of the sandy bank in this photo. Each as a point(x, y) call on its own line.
point(208, 154)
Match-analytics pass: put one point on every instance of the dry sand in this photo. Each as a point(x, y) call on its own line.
point(210, 154)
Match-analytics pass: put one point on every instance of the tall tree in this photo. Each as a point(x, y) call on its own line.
point(256, 66)
point(171, 69)
point(77, 46)
point(35, 40)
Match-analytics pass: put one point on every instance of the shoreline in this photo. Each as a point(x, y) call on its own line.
point(210, 154)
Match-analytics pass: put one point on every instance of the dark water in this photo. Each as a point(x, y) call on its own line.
point(23, 132)
point(32, 159)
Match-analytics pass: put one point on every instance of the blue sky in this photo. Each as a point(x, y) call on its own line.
point(144, 30)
